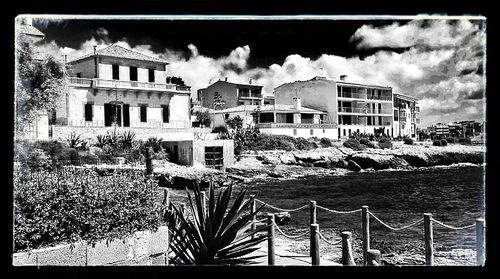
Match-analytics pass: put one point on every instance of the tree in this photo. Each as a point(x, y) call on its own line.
point(203, 117)
point(218, 101)
point(176, 80)
point(235, 122)
point(39, 84)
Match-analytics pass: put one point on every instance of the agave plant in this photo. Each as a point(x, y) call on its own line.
point(218, 235)
point(74, 140)
point(127, 140)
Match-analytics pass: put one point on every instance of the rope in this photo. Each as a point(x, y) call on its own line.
point(282, 209)
point(338, 212)
point(290, 236)
point(451, 227)
point(396, 229)
point(326, 240)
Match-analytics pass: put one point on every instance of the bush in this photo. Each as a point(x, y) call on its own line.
point(464, 140)
point(366, 142)
point(315, 139)
point(408, 141)
point(74, 141)
point(436, 142)
point(326, 142)
point(353, 144)
point(37, 159)
point(272, 142)
point(219, 129)
point(385, 143)
point(301, 143)
point(444, 142)
point(450, 140)
point(235, 122)
point(68, 205)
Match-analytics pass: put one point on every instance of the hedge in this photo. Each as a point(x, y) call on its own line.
point(70, 204)
point(408, 141)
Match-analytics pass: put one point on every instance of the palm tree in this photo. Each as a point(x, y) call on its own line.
point(217, 235)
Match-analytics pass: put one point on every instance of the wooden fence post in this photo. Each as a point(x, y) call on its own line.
point(149, 161)
point(480, 242)
point(365, 227)
point(270, 239)
point(314, 244)
point(252, 211)
point(166, 202)
point(373, 257)
point(312, 219)
point(429, 257)
point(347, 258)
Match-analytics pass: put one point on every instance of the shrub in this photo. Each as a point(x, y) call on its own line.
point(155, 144)
point(315, 139)
point(235, 122)
point(222, 235)
point(203, 117)
point(272, 142)
point(464, 140)
point(408, 141)
point(219, 129)
point(326, 142)
point(450, 140)
point(444, 142)
point(38, 159)
point(436, 142)
point(367, 142)
point(126, 140)
point(74, 140)
point(301, 143)
point(68, 205)
point(385, 143)
point(353, 144)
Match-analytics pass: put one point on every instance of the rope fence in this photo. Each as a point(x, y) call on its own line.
point(451, 227)
point(396, 229)
point(327, 241)
point(281, 209)
point(338, 212)
point(289, 236)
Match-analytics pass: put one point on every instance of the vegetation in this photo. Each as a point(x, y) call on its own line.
point(464, 140)
point(353, 144)
point(74, 141)
point(436, 142)
point(326, 142)
point(68, 205)
point(219, 129)
point(444, 142)
point(235, 122)
point(216, 235)
point(40, 83)
point(203, 117)
point(366, 142)
point(279, 142)
point(451, 140)
point(385, 143)
point(408, 141)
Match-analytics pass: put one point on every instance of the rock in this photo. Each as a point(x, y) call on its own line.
point(378, 161)
point(322, 164)
point(269, 159)
point(287, 159)
point(282, 218)
point(275, 174)
point(353, 166)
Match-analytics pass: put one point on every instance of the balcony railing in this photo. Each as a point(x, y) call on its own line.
point(364, 96)
point(364, 111)
point(296, 126)
point(133, 124)
point(250, 95)
point(98, 82)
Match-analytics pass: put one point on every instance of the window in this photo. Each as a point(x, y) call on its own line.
point(357, 131)
point(165, 113)
point(52, 119)
point(115, 69)
point(133, 73)
point(151, 74)
point(343, 131)
point(214, 157)
point(88, 112)
point(312, 132)
point(78, 75)
point(294, 132)
point(144, 113)
point(349, 132)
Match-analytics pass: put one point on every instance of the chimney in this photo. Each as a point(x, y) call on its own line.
point(250, 81)
point(343, 77)
point(322, 72)
point(95, 48)
point(65, 58)
point(297, 103)
point(225, 79)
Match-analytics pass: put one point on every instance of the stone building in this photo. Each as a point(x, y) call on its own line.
point(233, 94)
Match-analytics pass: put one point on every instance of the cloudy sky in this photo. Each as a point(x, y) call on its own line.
point(441, 62)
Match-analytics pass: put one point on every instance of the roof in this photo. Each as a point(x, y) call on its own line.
point(237, 83)
point(267, 108)
point(30, 30)
point(121, 52)
point(336, 81)
point(405, 97)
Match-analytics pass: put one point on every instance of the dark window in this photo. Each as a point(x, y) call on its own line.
point(78, 75)
point(151, 73)
point(165, 113)
point(144, 113)
point(312, 132)
point(126, 115)
point(344, 131)
point(115, 71)
point(52, 119)
point(133, 73)
point(349, 132)
point(294, 132)
point(88, 112)
point(214, 157)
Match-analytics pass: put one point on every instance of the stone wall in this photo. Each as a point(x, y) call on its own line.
point(142, 248)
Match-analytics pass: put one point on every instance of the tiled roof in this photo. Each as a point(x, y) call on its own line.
point(267, 108)
point(121, 52)
point(238, 83)
point(29, 30)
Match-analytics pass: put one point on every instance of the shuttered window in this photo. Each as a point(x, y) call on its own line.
point(88, 112)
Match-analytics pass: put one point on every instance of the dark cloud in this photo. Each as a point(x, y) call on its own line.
point(474, 95)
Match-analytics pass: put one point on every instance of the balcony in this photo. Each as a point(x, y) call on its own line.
point(363, 96)
point(364, 111)
point(133, 124)
point(122, 84)
point(296, 126)
point(250, 95)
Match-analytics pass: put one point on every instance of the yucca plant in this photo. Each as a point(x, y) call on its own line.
point(219, 235)
point(74, 140)
point(127, 140)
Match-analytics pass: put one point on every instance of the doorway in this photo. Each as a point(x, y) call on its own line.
point(117, 114)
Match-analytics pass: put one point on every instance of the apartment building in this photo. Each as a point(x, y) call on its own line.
point(232, 93)
point(406, 116)
point(350, 107)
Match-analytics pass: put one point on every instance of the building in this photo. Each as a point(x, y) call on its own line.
point(233, 94)
point(217, 154)
point(406, 116)
point(441, 129)
point(118, 88)
point(350, 107)
point(278, 119)
point(28, 35)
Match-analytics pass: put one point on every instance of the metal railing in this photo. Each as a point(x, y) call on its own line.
point(296, 125)
point(250, 95)
point(133, 124)
point(364, 96)
point(99, 82)
point(364, 111)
